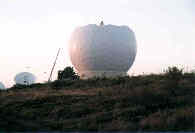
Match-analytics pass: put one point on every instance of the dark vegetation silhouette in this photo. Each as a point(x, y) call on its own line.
point(65, 77)
point(67, 73)
point(153, 102)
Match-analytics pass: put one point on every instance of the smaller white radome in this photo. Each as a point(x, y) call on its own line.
point(2, 87)
point(25, 78)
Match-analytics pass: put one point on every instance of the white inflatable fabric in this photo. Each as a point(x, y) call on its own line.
point(102, 50)
point(2, 87)
point(25, 78)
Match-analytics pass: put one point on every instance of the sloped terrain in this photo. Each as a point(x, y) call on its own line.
point(138, 103)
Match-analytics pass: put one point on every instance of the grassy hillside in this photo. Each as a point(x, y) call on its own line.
point(163, 102)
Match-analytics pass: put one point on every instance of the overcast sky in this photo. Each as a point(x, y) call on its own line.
point(31, 31)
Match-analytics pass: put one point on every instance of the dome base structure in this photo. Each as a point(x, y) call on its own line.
point(108, 74)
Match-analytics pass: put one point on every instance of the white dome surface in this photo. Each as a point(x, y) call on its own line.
point(25, 78)
point(102, 50)
point(2, 87)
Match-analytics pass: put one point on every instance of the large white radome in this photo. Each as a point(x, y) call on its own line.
point(102, 50)
point(25, 78)
point(2, 87)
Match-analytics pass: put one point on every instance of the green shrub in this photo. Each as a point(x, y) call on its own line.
point(173, 77)
point(174, 73)
point(67, 73)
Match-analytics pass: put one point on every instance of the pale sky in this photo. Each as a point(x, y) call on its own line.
point(31, 31)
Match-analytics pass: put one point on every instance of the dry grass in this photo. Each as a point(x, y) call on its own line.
point(139, 103)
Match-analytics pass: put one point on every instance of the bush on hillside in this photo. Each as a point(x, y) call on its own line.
point(67, 73)
point(174, 73)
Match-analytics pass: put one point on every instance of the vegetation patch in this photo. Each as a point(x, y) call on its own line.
point(155, 102)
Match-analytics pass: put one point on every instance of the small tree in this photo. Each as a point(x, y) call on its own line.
point(67, 73)
point(174, 73)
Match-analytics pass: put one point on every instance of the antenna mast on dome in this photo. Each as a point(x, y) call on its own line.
point(53, 66)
